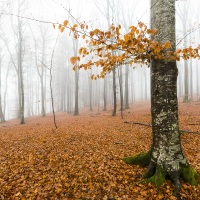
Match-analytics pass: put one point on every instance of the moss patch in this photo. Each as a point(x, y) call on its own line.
point(189, 175)
point(158, 178)
point(141, 159)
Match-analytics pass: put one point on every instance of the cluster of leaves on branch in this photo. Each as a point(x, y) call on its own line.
point(112, 48)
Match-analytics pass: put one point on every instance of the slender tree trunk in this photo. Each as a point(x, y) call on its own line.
point(186, 70)
point(2, 117)
point(43, 112)
point(126, 88)
point(76, 108)
point(191, 82)
point(114, 93)
point(19, 66)
point(186, 82)
point(121, 91)
point(197, 77)
point(5, 93)
point(90, 91)
point(105, 94)
point(132, 87)
point(20, 73)
point(191, 76)
point(145, 84)
point(180, 82)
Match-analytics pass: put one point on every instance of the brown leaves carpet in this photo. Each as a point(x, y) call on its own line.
point(82, 158)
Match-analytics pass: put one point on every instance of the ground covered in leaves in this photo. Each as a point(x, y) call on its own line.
point(82, 158)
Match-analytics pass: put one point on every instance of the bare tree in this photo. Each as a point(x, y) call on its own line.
point(40, 68)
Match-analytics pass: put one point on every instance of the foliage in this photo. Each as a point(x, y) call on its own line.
point(108, 49)
point(83, 159)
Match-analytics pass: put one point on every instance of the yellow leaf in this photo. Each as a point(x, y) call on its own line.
point(75, 25)
point(73, 29)
point(59, 26)
point(65, 23)
point(126, 38)
point(72, 60)
point(54, 26)
point(62, 29)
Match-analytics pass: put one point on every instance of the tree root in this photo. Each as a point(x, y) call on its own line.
point(141, 159)
point(157, 174)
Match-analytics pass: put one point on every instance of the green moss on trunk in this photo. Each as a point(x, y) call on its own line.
point(157, 174)
point(158, 178)
point(189, 175)
point(141, 159)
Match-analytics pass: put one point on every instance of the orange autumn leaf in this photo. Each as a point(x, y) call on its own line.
point(65, 23)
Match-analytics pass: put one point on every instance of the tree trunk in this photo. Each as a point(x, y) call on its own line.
point(105, 94)
point(5, 93)
point(121, 90)
point(76, 108)
point(114, 93)
point(18, 67)
point(197, 77)
point(186, 70)
point(145, 83)
point(126, 88)
point(2, 118)
point(20, 74)
point(165, 159)
point(186, 81)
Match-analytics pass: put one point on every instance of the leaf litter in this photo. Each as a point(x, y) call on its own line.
point(82, 158)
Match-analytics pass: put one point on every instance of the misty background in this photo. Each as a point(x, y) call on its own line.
point(30, 48)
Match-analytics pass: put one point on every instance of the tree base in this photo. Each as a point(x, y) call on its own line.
point(157, 174)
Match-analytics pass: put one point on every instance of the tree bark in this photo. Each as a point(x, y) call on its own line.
point(76, 108)
point(165, 158)
point(20, 73)
point(126, 88)
point(105, 93)
point(2, 118)
point(186, 70)
point(114, 93)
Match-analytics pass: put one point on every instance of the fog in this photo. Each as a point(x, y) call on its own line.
point(30, 48)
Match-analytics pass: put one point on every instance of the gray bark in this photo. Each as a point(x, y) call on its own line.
point(186, 70)
point(121, 90)
point(90, 90)
point(126, 96)
point(105, 93)
point(20, 73)
point(197, 77)
point(166, 149)
point(76, 107)
point(2, 118)
point(114, 93)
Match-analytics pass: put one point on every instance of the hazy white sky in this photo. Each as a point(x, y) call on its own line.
point(54, 10)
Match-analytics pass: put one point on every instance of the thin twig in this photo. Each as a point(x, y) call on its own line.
point(51, 88)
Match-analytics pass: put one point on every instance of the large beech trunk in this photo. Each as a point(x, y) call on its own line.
point(165, 158)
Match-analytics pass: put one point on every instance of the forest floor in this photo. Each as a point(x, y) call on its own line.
point(82, 159)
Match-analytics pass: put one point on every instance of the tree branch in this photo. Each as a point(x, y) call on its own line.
point(149, 125)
